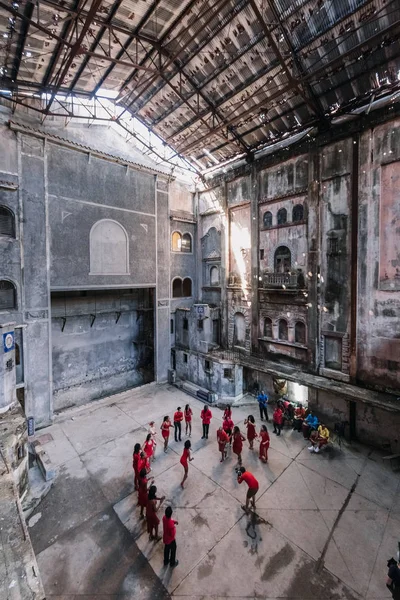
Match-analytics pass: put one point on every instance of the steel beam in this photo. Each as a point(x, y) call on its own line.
point(21, 42)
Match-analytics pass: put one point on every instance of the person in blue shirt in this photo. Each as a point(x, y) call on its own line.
point(262, 404)
point(310, 424)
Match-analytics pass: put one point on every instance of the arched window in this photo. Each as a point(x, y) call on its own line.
point(109, 249)
point(268, 328)
point(7, 222)
point(214, 276)
point(300, 333)
point(186, 245)
point(239, 337)
point(282, 260)
point(176, 241)
point(267, 219)
point(187, 287)
point(177, 288)
point(297, 213)
point(8, 295)
point(283, 330)
point(282, 216)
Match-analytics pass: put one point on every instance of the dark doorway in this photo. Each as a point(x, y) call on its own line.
point(353, 419)
point(215, 331)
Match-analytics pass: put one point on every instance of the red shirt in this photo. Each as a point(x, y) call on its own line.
point(169, 530)
point(228, 413)
point(206, 416)
point(278, 416)
point(249, 479)
point(227, 424)
point(178, 416)
point(299, 413)
point(222, 436)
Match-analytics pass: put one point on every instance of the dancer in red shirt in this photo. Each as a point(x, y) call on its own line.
point(237, 445)
point(178, 418)
point(184, 460)
point(251, 430)
point(136, 464)
point(188, 419)
point(252, 482)
point(264, 443)
point(165, 426)
point(206, 417)
point(277, 419)
point(223, 440)
point(151, 513)
point(142, 496)
point(227, 412)
point(169, 532)
point(228, 426)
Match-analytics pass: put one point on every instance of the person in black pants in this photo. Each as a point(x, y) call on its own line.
point(178, 418)
point(262, 403)
point(169, 532)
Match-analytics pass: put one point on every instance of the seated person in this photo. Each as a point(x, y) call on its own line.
point(319, 438)
point(309, 424)
point(298, 418)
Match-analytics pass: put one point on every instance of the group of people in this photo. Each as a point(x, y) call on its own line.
point(230, 436)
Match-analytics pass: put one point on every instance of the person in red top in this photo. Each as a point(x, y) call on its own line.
point(184, 460)
point(227, 412)
point(237, 445)
point(178, 418)
point(251, 430)
point(299, 416)
point(151, 513)
point(142, 496)
point(165, 425)
point(264, 443)
point(136, 464)
point(206, 417)
point(252, 482)
point(277, 419)
point(223, 440)
point(228, 425)
point(169, 532)
point(148, 448)
point(188, 419)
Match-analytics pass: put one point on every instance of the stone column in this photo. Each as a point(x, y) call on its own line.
point(313, 260)
point(254, 185)
point(162, 359)
point(7, 366)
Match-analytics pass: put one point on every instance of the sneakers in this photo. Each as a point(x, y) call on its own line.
point(316, 449)
point(311, 448)
point(176, 563)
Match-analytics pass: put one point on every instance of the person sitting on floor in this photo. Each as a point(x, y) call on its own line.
point(299, 416)
point(319, 438)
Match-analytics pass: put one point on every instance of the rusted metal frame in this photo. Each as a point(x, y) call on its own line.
point(128, 42)
point(256, 40)
point(354, 258)
point(307, 87)
point(293, 80)
point(96, 42)
point(21, 41)
point(67, 29)
point(288, 88)
point(213, 14)
point(75, 49)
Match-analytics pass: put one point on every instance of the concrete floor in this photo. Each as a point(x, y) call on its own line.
point(324, 527)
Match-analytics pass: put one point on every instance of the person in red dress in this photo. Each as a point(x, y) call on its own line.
point(151, 513)
point(251, 430)
point(148, 448)
point(178, 418)
point(136, 464)
point(264, 443)
point(184, 460)
point(165, 427)
point(227, 412)
point(228, 426)
point(188, 419)
point(237, 445)
point(277, 419)
point(206, 416)
point(223, 440)
point(142, 495)
point(252, 482)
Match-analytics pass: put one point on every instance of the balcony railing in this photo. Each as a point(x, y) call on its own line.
point(279, 280)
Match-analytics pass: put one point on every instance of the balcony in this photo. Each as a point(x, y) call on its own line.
point(280, 280)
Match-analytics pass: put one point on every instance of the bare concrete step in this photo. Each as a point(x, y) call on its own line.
point(43, 461)
point(38, 489)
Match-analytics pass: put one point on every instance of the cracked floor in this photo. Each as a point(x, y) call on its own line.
point(325, 523)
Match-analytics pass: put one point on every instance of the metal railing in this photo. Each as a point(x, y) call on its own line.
point(278, 280)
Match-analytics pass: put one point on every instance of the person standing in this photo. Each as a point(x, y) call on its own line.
point(251, 430)
point(252, 482)
point(227, 412)
point(237, 445)
point(169, 533)
point(178, 418)
point(142, 496)
point(227, 425)
point(153, 431)
point(165, 427)
point(148, 448)
point(188, 419)
point(264, 443)
point(393, 578)
point(223, 440)
point(136, 464)
point(262, 399)
point(184, 461)
point(277, 419)
point(206, 416)
point(151, 513)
